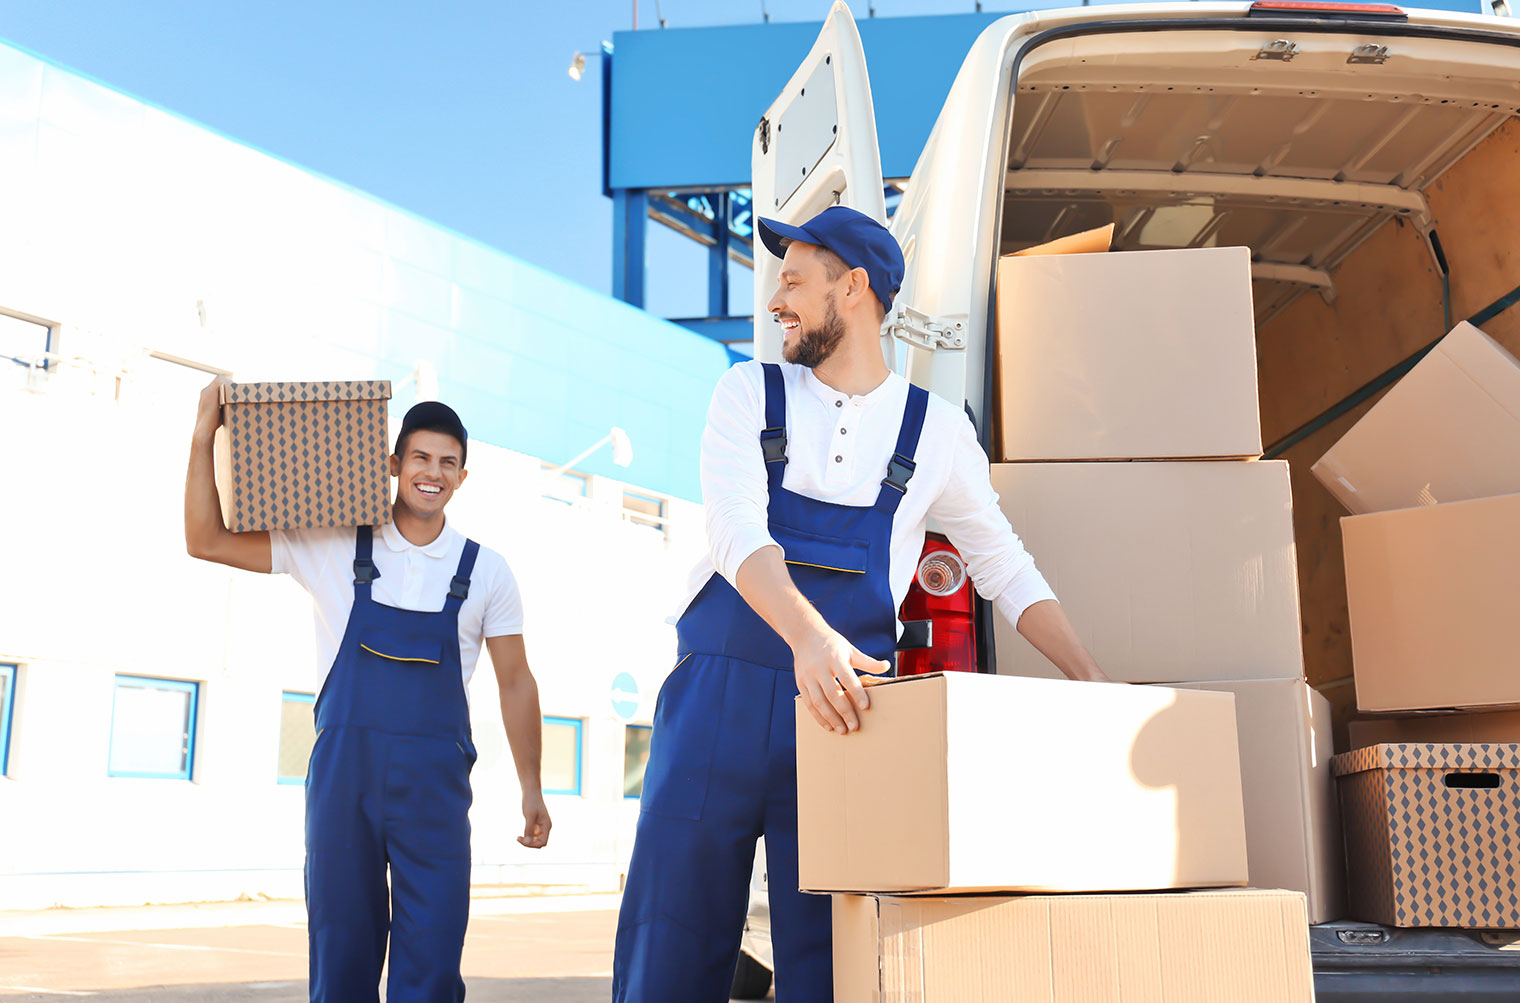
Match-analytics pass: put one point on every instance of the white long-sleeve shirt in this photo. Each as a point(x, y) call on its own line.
point(838, 447)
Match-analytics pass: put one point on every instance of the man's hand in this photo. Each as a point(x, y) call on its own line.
point(825, 666)
point(208, 414)
point(536, 822)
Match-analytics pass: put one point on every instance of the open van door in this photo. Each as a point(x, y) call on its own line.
point(815, 147)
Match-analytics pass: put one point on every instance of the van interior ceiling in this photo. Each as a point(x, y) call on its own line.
point(1375, 179)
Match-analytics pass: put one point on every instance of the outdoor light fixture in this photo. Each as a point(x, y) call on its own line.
point(622, 451)
point(577, 66)
point(424, 377)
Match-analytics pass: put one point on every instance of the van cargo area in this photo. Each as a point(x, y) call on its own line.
point(1373, 179)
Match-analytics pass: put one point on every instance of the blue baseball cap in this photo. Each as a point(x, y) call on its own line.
point(857, 238)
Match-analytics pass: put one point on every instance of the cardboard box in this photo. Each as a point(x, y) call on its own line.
point(298, 455)
point(1293, 834)
point(1468, 728)
point(1448, 431)
point(964, 782)
point(1432, 834)
point(1431, 595)
point(1134, 355)
point(1195, 947)
point(1170, 572)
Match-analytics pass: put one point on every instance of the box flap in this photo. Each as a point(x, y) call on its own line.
point(325, 390)
point(1411, 756)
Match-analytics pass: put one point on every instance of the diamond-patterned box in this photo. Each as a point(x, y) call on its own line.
point(299, 455)
point(1432, 834)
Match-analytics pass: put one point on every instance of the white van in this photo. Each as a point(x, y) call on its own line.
point(1369, 156)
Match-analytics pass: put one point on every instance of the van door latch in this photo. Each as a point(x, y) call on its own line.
point(922, 331)
point(1282, 50)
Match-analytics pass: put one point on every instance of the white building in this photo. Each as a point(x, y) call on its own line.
point(139, 253)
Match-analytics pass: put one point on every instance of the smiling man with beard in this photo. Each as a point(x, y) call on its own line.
point(819, 477)
point(401, 613)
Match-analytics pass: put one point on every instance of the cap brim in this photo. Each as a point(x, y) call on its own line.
point(773, 232)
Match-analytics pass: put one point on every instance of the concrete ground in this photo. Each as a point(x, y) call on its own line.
point(544, 950)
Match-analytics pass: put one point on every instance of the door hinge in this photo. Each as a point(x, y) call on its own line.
point(1370, 53)
point(922, 331)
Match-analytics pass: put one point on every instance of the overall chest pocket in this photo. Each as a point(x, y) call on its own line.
point(809, 550)
point(400, 649)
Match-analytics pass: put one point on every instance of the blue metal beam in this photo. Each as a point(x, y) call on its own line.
point(717, 259)
point(630, 223)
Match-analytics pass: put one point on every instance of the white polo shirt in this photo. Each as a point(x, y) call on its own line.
point(837, 451)
point(411, 577)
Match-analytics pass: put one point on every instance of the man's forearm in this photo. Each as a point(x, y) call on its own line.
point(767, 586)
point(524, 723)
point(203, 506)
point(1045, 626)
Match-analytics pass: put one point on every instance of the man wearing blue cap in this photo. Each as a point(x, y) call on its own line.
point(818, 478)
point(401, 614)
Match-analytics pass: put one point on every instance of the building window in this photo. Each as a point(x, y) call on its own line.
point(23, 340)
point(635, 758)
point(153, 728)
point(298, 733)
point(645, 510)
point(567, 486)
point(7, 709)
point(562, 755)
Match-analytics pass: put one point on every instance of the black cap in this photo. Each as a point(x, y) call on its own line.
point(434, 417)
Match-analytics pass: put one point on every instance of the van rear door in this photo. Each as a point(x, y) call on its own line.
point(815, 147)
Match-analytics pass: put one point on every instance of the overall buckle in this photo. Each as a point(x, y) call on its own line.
point(459, 588)
point(773, 444)
point(899, 473)
point(365, 571)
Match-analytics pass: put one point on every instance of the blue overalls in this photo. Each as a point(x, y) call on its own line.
point(389, 784)
point(723, 761)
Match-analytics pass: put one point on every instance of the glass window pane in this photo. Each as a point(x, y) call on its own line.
point(150, 728)
point(298, 733)
point(21, 339)
point(562, 753)
point(635, 759)
point(7, 689)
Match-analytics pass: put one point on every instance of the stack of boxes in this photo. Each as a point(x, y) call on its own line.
point(998, 838)
point(1431, 796)
point(1128, 444)
point(1069, 818)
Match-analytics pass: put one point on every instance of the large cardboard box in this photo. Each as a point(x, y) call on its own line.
point(1170, 572)
point(1432, 834)
point(965, 782)
point(299, 455)
point(1293, 835)
point(1136, 355)
point(1431, 594)
point(1448, 431)
point(1192, 947)
point(1467, 728)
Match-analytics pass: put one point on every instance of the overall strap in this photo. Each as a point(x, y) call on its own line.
point(900, 468)
point(459, 588)
point(773, 436)
point(365, 571)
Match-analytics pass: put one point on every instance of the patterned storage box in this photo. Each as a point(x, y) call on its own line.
point(1432, 834)
point(298, 455)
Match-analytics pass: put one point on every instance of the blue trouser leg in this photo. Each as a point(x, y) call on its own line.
point(347, 902)
point(802, 926)
point(704, 803)
point(428, 839)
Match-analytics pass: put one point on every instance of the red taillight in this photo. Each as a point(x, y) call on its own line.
point(941, 592)
point(1309, 8)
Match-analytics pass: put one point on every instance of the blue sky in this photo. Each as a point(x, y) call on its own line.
point(459, 111)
